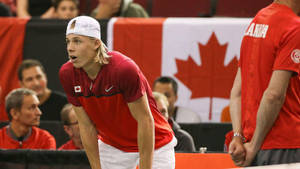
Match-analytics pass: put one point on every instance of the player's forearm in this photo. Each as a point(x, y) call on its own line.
point(90, 143)
point(89, 137)
point(235, 114)
point(146, 142)
point(235, 103)
point(267, 114)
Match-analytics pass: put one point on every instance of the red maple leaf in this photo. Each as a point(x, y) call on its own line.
point(211, 78)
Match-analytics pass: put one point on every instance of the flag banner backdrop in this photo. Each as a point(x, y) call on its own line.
point(12, 34)
point(201, 54)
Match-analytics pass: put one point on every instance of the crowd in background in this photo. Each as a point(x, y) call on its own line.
point(68, 9)
point(35, 102)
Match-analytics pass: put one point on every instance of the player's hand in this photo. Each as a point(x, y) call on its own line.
point(237, 151)
point(250, 154)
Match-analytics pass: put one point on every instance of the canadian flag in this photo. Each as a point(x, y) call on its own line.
point(201, 54)
point(77, 89)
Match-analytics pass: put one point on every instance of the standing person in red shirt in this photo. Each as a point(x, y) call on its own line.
point(265, 98)
point(24, 114)
point(112, 98)
point(71, 127)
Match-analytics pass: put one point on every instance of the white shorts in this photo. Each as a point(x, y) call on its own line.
point(113, 158)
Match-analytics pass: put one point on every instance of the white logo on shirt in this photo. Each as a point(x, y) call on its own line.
point(295, 55)
point(77, 89)
point(107, 90)
point(257, 30)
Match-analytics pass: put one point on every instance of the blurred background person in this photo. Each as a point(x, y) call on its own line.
point(24, 115)
point(185, 141)
point(169, 87)
point(4, 10)
point(7, 8)
point(118, 8)
point(32, 75)
point(66, 9)
point(71, 127)
point(35, 8)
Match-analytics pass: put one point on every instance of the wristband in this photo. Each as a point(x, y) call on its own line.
point(236, 134)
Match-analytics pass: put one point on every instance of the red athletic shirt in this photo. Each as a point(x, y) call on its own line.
point(39, 139)
point(105, 100)
point(68, 146)
point(272, 42)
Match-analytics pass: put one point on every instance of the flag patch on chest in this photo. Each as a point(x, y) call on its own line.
point(77, 89)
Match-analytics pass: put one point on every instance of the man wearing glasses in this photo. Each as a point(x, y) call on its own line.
point(71, 127)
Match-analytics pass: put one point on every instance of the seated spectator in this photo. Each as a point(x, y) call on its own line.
point(71, 127)
point(185, 141)
point(168, 86)
point(122, 8)
point(32, 75)
point(35, 8)
point(24, 115)
point(66, 9)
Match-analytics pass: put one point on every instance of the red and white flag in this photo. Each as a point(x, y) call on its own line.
point(12, 33)
point(200, 53)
